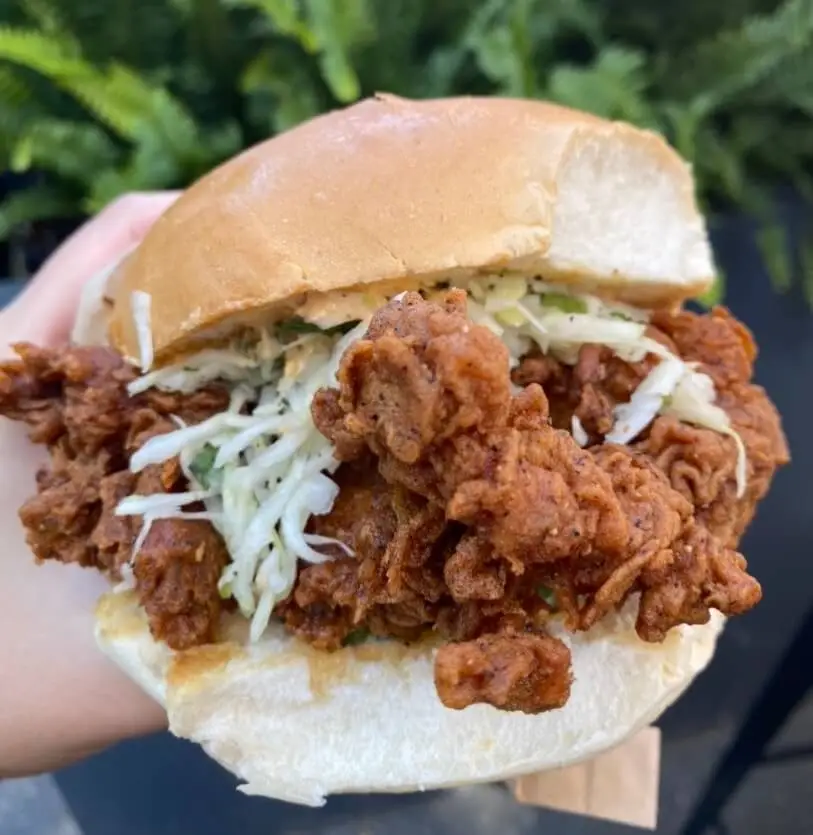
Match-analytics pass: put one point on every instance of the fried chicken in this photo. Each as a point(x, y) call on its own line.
point(700, 463)
point(468, 508)
point(75, 401)
point(429, 395)
point(505, 670)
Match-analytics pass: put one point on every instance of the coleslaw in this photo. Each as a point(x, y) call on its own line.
point(260, 469)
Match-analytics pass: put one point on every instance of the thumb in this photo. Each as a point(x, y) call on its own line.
point(45, 311)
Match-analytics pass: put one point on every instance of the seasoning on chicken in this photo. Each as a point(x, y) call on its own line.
point(700, 463)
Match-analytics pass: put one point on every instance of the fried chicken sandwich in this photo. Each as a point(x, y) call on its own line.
point(406, 464)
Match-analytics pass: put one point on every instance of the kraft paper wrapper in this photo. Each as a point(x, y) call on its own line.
point(620, 785)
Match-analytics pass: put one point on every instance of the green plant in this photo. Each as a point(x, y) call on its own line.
point(96, 99)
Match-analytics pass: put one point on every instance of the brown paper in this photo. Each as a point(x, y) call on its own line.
point(620, 785)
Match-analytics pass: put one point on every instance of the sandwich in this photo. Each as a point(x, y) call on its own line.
point(407, 464)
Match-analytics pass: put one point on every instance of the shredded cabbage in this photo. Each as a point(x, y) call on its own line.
point(141, 304)
point(127, 581)
point(646, 402)
point(692, 401)
point(261, 469)
point(578, 431)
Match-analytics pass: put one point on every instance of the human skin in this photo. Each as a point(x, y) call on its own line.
point(61, 699)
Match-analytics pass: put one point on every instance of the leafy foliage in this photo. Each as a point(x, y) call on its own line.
point(97, 99)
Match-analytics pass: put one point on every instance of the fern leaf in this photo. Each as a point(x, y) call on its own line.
point(46, 14)
point(717, 162)
point(285, 18)
point(46, 54)
point(122, 99)
point(41, 202)
point(450, 58)
point(183, 7)
point(504, 50)
point(497, 57)
point(73, 150)
point(13, 90)
point(149, 168)
point(119, 97)
point(17, 104)
point(738, 59)
point(173, 130)
point(774, 246)
point(59, 60)
point(107, 99)
point(219, 143)
point(790, 85)
point(337, 28)
point(281, 93)
point(614, 86)
point(681, 125)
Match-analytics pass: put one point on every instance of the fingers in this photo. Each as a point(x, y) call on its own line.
point(45, 311)
point(66, 695)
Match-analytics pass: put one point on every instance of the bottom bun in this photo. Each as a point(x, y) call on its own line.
point(298, 725)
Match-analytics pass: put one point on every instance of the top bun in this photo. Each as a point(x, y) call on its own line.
point(414, 192)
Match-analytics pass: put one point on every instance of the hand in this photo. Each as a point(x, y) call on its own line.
point(60, 698)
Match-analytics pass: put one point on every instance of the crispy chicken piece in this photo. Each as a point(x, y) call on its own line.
point(428, 394)
point(176, 573)
point(523, 672)
point(700, 463)
point(723, 346)
point(682, 585)
point(75, 401)
point(492, 461)
point(681, 569)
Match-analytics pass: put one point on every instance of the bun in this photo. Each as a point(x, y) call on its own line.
point(405, 192)
point(297, 724)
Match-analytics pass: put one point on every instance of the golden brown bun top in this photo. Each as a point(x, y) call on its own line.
point(408, 192)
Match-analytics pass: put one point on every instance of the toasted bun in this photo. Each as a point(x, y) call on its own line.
point(404, 193)
point(297, 724)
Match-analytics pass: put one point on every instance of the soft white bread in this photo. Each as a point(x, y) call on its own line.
point(404, 192)
point(297, 724)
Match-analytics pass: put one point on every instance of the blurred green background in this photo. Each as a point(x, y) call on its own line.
point(99, 97)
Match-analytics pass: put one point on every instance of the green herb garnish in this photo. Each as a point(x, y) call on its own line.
point(296, 326)
point(565, 303)
point(343, 328)
point(714, 295)
point(356, 637)
point(202, 464)
point(547, 594)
